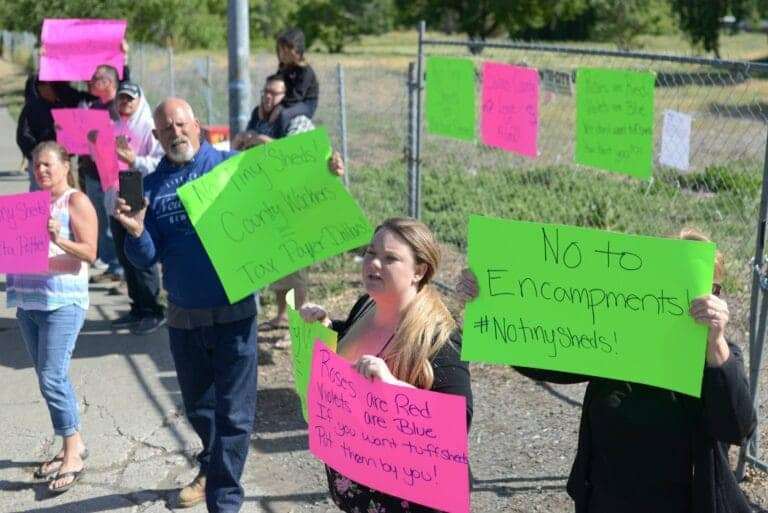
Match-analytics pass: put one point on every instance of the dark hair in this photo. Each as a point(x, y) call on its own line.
point(61, 153)
point(109, 70)
point(274, 78)
point(292, 38)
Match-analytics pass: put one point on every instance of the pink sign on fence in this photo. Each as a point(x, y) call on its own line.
point(510, 115)
point(72, 127)
point(24, 232)
point(73, 48)
point(406, 442)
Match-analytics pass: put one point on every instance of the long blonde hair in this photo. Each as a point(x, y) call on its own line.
point(426, 324)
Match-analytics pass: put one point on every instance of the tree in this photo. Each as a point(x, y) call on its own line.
point(338, 22)
point(700, 19)
point(622, 21)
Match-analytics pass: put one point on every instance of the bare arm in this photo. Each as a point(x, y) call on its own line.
point(84, 226)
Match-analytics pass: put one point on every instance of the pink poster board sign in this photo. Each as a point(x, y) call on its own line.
point(402, 441)
point(104, 155)
point(510, 114)
point(72, 127)
point(73, 48)
point(24, 232)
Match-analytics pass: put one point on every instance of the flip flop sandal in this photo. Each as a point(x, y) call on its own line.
point(75, 475)
point(39, 474)
point(272, 325)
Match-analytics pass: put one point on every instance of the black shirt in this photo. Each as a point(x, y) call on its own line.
point(300, 84)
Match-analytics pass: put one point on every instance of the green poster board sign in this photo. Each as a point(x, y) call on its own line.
point(614, 120)
point(272, 210)
point(451, 110)
point(303, 337)
point(588, 302)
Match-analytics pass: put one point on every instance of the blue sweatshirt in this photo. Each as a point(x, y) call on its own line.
point(169, 238)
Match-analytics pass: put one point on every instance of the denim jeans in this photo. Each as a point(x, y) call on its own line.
point(106, 248)
point(216, 368)
point(50, 339)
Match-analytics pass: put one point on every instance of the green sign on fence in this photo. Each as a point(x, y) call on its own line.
point(451, 95)
point(303, 337)
point(614, 120)
point(272, 210)
point(588, 301)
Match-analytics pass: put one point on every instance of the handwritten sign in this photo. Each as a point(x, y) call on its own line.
point(588, 301)
point(510, 108)
point(676, 140)
point(303, 336)
point(72, 127)
point(451, 97)
point(614, 120)
point(72, 49)
point(24, 232)
point(402, 441)
point(273, 210)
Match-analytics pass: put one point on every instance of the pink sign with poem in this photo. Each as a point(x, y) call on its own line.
point(510, 114)
point(73, 48)
point(24, 232)
point(405, 442)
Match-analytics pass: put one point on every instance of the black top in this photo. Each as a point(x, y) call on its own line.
point(642, 448)
point(300, 84)
point(451, 377)
point(36, 121)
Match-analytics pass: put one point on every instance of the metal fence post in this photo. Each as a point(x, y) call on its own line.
point(410, 150)
point(171, 72)
point(419, 90)
point(142, 75)
point(343, 122)
point(208, 95)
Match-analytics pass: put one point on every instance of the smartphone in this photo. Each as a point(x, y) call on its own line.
point(132, 189)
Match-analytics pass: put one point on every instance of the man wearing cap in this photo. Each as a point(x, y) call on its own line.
point(137, 149)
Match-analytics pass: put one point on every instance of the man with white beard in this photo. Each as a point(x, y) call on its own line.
point(212, 342)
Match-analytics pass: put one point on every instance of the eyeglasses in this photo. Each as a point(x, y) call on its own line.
point(272, 92)
point(716, 288)
point(125, 98)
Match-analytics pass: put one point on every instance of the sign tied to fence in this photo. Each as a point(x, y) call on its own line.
point(274, 209)
point(510, 114)
point(451, 109)
point(406, 442)
point(303, 336)
point(24, 236)
point(72, 49)
point(614, 120)
point(676, 140)
point(588, 301)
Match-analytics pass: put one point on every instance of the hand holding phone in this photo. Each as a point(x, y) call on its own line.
point(132, 189)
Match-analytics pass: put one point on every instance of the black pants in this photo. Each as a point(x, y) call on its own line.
point(143, 284)
point(305, 108)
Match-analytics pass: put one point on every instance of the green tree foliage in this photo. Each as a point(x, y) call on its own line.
point(622, 21)
point(335, 23)
point(700, 19)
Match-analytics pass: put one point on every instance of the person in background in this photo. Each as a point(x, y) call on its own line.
point(138, 150)
point(400, 332)
point(643, 448)
point(302, 89)
point(51, 308)
point(103, 86)
point(36, 123)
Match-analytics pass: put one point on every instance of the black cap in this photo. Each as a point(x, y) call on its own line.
point(130, 89)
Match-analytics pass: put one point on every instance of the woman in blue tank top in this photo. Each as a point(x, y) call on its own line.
point(51, 307)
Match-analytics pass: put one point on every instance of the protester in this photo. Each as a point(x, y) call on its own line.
point(36, 121)
point(212, 342)
point(138, 150)
point(302, 89)
point(103, 86)
point(51, 307)
point(642, 448)
point(263, 127)
point(400, 332)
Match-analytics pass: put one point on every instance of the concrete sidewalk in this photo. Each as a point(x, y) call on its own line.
point(141, 447)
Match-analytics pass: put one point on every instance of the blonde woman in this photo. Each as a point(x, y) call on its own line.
point(400, 332)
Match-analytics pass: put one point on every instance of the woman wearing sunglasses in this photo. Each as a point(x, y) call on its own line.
point(645, 449)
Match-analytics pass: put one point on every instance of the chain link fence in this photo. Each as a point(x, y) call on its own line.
point(720, 193)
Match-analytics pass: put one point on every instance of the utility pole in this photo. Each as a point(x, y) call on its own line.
point(238, 43)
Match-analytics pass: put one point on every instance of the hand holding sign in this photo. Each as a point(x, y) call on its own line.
point(401, 441)
point(587, 301)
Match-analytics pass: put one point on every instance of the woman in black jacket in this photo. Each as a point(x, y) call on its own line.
point(645, 449)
